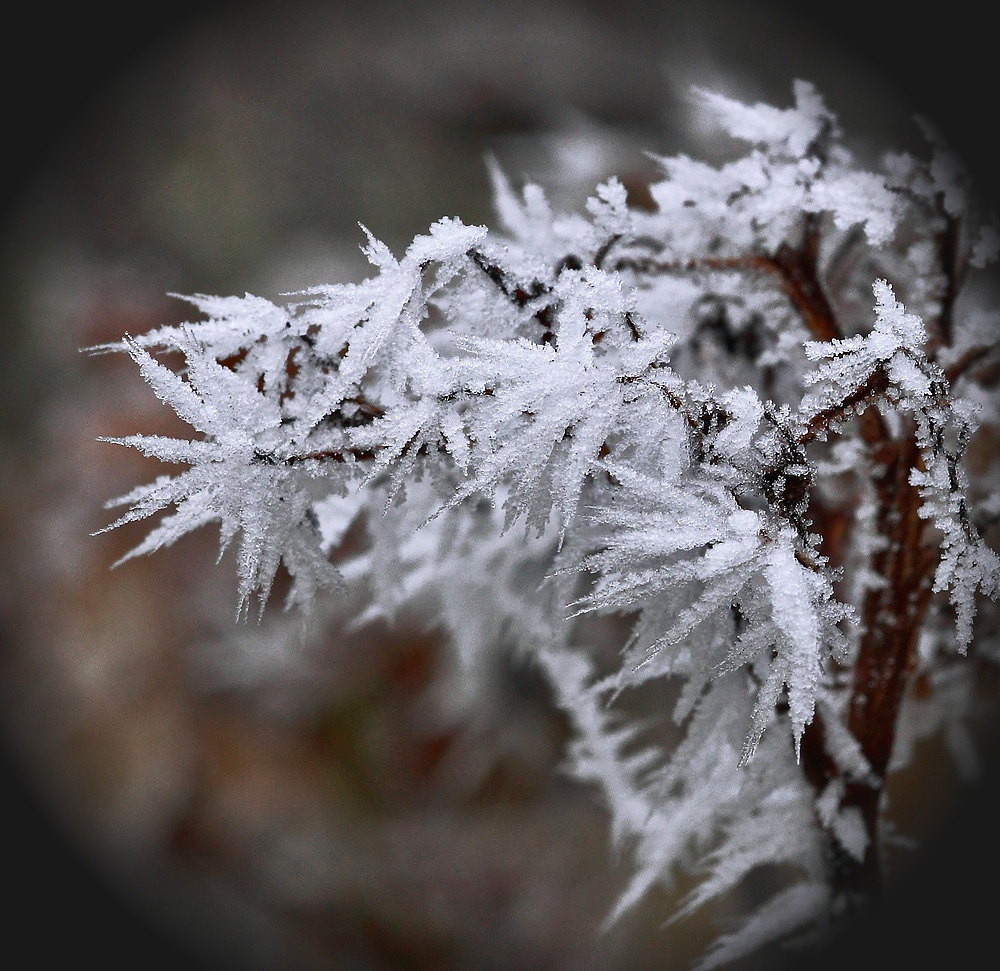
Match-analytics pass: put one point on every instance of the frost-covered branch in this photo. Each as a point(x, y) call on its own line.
point(736, 421)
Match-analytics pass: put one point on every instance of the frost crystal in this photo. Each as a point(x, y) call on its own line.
point(689, 419)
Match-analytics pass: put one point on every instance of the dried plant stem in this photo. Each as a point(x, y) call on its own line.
point(893, 611)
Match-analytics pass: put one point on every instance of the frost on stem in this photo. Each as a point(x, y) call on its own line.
point(714, 419)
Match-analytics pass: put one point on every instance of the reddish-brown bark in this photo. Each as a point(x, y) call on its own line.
point(893, 611)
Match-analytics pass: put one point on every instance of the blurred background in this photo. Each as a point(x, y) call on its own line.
point(180, 796)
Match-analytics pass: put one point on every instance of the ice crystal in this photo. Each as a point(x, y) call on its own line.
point(658, 414)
